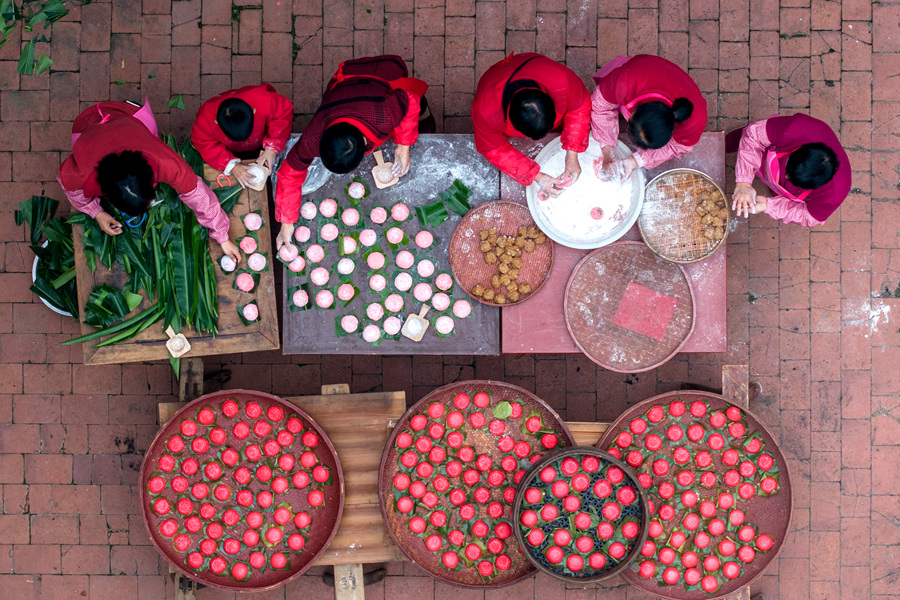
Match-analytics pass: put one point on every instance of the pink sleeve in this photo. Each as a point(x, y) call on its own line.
point(407, 132)
point(754, 143)
point(653, 158)
point(203, 201)
point(604, 119)
point(790, 211)
point(89, 206)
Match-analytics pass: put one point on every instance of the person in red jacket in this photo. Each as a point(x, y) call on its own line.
point(368, 101)
point(529, 95)
point(665, 110)
point(238, 124)
point(116, 155)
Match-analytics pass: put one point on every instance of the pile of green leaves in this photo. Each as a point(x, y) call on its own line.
point(455, 198)
point(55, 280)
point(31, 13)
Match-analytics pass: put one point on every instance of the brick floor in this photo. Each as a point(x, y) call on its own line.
point(811, 311)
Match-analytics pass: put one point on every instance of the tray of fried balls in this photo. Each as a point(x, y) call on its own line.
point(685, 216)
point(498, 255)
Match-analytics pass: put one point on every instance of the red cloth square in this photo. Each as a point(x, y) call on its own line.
point(645, 311)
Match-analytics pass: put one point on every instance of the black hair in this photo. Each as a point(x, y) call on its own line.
point(532, 113)
point(811, 166)
point(342, 148)
point(235, 118)
point(651, 124)
point(126, 180)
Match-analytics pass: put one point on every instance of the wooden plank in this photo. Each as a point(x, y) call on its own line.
point(233, 336)
point(190, 378)
point(587, 434)
point(736, 384)
point(348, 582)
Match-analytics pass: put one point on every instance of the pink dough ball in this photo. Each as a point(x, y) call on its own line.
point(328, 207)
point(394, 235)
point(356, 190)
point(368, 237)
point(349, 244)
point(400, 212)
point(324, 298)
point(462, 308)
point(424, 239)
point(252, 221)
point(319, 276)
point(346, 292)
point(248, 245)
point(375, 260)
point(425, 268)
point(378, 215)
point(444, 325)
point(422, 292)
point(377, 282)
point(392, 325)
point(315, 253)
point(345, 266)
point(302, 234)
point(251, 312)
point(297, 265)
point(300, 298)
point(405, 259)
point(403, 281)
point(329, 232)
point(349, 323)
point(374, 311)
point(394, 303)
point(244, 282)
point(371, 333)
point(443, 282)
point(288, 252)
point(440, 301)
point(256, 262)
point(308, 211)
point(350, 217)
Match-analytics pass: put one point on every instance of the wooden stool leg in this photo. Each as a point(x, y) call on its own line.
point(190, 379)
point(349, 582)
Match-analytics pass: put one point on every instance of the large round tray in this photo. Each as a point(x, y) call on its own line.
point(484, 443)
point(669, 223)
point(325, 520)
point(594, 296)
point(587, 159)
point(771, 514)
point(467, 261)
point(640, 511)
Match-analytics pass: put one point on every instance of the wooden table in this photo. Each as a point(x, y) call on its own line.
point(539, 326)
point(233, 336)
point(437, 160)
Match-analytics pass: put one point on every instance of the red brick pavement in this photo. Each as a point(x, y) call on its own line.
point(808, 309)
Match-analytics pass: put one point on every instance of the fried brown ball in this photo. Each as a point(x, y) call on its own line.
point(483, 234)
point(524, 288)
point(489, 295)
point(530, 246)
point(512, 286)
point(517, 262)
point(478, 291)
point(513, 296)
point(495, 281)
point(506, 259)
point(540, 239)
point(718, 233)
point(513, 273)
point(490, 258)
point(503, 268)
point(500, 299)
point(706, 219)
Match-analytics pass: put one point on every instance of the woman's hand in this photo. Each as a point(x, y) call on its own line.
point(108, 223)
point(284, 236)
point(229, 248)
point(266, 159)
point(243, 177)
point(573, 168)
point(760, 207)
point(401, 161)
point(744, 200)
point(552, 186)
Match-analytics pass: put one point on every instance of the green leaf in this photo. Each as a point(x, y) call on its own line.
point(132, 300)
point(433, 214)
point(176, 365)
point(228, 196)
point(26, 59)
point(119, 82)
point(176, 102)
point(43, 64)
point(192, 157)
point(503, 410)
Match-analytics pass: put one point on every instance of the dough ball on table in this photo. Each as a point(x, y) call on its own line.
point(251, 312)
point(244, 282)
point(328, 207)
point(394, 235)
point(315, 253)
point(368, 237)
point(348, 245)
point(400, 212)
point(372, 333)
point(349, 323)
point(248, 245)
point(440, 301)
point(378, 215)
point(375, 260)
point(345, 266)
point(377, 282)
point(422, 292)
point(329, 232)
point(257, 262)
point(308, 211)
point(374, 311)
point(424, 239)
point(444, 325)
point(405, 259)
point(383, 174)
point(302, 234)
point(324, 299)
point(462, 308)
point(297, 265)
point(350, 217)
point(288, 253)
point(300, 298)
point(227, 263)
point(252, 221)
point(319, 276)
point(345, 292)
point(425, 268)
point(392, 325)
point(403, 281)
point(443, 282)
point(394, 303)
point(356, 190)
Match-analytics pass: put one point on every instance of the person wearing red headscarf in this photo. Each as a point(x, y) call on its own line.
point(529, 95)
point(238, 124)
point(665, 110)
point(368, 101)
point(800, 159)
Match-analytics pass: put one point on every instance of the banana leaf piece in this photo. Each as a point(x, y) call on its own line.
point(228, 196)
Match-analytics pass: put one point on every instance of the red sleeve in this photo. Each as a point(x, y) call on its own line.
point(203, 136)
point(577, 120)
point(288, 193)
point(407, 132)
point(281, 119)
point(494, 145)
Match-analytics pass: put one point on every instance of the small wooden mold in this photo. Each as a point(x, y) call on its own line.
point(416, 325)
point(381, 171)
point(177, 344)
